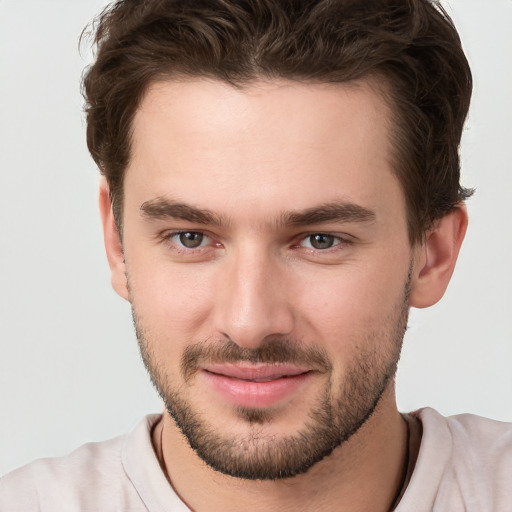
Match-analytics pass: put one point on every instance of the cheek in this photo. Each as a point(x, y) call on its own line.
point(173, 301)
point(351, 306)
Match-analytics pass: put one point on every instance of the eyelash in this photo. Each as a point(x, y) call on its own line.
point(336, 241)
point(339, 242)
point(171, 238)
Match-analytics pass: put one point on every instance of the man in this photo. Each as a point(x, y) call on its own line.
point(281, 186)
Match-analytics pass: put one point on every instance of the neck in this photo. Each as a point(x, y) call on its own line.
point(365, 473)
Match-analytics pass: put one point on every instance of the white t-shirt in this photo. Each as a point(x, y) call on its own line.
point(464, 464)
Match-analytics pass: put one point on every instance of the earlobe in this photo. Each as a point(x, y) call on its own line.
point(435, 259)
point(113, 243)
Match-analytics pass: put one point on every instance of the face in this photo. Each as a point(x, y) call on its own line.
point(268, 266)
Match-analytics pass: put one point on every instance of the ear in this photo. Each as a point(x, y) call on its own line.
point(436, 257)
point(113, 244)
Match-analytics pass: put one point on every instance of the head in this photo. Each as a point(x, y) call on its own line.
point(282, 184)
point(408, 48)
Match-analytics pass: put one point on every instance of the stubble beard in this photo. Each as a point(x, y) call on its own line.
point(336, 416)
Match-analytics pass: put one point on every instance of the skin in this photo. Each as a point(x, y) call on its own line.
point(251, 157)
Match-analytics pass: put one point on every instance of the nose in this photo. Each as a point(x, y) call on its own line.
point(253, 299)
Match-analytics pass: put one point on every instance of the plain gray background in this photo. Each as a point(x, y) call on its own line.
point(69, 364)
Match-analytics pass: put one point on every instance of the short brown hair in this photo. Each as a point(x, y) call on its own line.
point(410, 45)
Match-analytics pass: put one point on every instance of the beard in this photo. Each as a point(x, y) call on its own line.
point(337, 414)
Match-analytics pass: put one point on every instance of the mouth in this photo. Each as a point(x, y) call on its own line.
point(255, 386)
point(256, 373)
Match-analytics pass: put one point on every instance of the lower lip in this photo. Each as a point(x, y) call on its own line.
point(257, 395)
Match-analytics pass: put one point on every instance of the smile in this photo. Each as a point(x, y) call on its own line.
point(255, 386)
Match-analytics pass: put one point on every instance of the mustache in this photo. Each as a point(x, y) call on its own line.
point(271, 351)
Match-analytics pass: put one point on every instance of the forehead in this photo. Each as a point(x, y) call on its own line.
point(270, 145)
point(316, 114)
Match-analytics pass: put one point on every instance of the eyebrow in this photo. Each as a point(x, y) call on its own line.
point(337, 211)
point(162, 208)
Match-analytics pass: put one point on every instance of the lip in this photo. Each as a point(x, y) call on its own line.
point(255, 386)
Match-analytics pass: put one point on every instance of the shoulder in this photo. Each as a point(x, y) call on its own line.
point(89, 478)
point(469, 436)
point(464, 463)
point(482, 455)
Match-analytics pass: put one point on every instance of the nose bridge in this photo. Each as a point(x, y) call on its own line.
point(254, 301)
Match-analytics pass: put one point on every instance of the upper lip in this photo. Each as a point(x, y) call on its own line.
point(258, 372)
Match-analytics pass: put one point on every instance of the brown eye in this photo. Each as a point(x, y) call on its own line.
point(191, 239)
point(321, 241)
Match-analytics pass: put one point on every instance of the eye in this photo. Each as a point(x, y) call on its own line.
point(320, 241)
point(190, 246)
point(190, 239)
